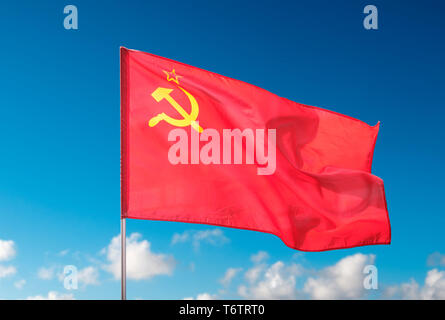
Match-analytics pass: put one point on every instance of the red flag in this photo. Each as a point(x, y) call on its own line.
point(199, 147)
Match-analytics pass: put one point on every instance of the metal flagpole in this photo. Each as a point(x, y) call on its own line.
point(123, 261)
point(123, 221)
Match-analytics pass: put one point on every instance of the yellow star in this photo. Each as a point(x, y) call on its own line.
point(172, 76)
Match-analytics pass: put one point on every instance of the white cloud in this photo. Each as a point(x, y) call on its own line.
point(410, 291)
point(20, 283)
point(253, 273)
point(203, 296)
point(64, 252)
point(88, 276)
point(7, 271)
point(212, 236)
point(46, 273)
point(7, 250)
point(390, 292)
point(278, 282)
point(433, 288)
point(53, 295)
point(436, 259)
point(344, 280)
point(180, 237)
point(259, 257)
point(229, 275)
point(142, 263)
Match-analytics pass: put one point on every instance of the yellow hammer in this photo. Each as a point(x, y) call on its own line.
point(188, 119)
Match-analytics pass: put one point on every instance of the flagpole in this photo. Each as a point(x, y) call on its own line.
point(123, 261)
point(123, 93)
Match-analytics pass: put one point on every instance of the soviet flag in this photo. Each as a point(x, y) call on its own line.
point(199, 147)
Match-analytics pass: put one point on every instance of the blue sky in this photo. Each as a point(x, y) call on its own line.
point(60, 189)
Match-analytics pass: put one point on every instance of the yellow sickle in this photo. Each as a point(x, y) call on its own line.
point(188, 119)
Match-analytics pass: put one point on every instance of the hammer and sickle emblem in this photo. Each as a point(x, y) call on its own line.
point(187, 119)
